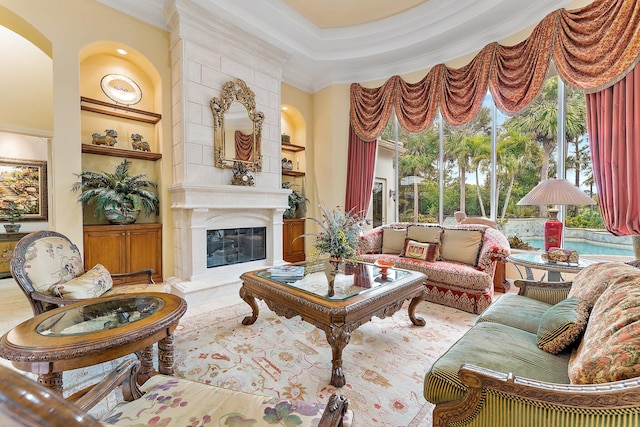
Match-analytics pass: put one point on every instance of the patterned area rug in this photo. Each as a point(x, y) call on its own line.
point(384, 362)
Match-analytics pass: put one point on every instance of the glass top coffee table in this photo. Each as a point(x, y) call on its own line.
point(354, 301)
point(94, 331)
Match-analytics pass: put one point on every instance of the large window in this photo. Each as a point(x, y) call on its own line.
point(526, 151)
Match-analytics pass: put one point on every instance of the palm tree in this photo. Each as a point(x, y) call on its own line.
point(481, 153)
point(419, 160)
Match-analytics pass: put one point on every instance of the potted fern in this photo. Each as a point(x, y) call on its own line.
point(119, 197)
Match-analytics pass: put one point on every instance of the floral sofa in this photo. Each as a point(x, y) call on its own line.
point(458, 260)
point(557, 354)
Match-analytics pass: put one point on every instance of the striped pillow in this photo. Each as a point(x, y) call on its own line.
point(562, 324)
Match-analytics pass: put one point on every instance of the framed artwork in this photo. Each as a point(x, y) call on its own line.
point(24, 182)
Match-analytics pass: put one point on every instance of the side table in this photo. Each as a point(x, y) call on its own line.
point(535, 260)
point(95, 331)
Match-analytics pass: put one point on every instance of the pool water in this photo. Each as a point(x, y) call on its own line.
point(585, 247)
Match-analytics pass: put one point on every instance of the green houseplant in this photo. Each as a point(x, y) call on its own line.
point(118, 196)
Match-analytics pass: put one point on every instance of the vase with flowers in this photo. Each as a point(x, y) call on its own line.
point(339, 234)
point(11, 211)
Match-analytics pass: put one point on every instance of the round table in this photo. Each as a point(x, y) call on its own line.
point(535, 260)
point(94, 331)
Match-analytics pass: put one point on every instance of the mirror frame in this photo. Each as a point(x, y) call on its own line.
point(236, 90)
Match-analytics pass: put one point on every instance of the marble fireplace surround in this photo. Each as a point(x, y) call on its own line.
point(199, 208)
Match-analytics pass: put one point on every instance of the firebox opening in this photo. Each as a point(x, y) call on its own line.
point(235, 245)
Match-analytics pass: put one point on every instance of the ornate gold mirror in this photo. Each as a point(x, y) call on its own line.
point(237, 127)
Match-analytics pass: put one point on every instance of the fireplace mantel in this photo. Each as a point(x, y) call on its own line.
point(198, 208)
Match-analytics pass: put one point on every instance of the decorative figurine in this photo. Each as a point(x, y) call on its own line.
point(138, 144)
point(241, 175)
point(108, 139)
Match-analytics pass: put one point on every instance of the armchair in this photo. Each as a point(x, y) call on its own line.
point(163, 400)
point(49, 269)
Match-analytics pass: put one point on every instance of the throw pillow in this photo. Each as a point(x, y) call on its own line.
point(610, 347)
point(91, 284)
point(393, 240)
point(561, 325)
point(425, 233)
point(461, 246)
point(418, 250)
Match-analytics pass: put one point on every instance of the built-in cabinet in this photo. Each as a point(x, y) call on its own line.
point(121, 248)
point(124, 249)
point(292, 243)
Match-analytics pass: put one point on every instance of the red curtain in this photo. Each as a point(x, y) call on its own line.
point(613, 120)
point(592, 48)
point(244, 146)
point(360, 169)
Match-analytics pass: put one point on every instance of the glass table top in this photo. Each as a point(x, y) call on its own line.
point(317, 278)
point(99, 316)
point(537, 259)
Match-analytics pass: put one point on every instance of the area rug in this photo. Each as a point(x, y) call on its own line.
point(384, 362)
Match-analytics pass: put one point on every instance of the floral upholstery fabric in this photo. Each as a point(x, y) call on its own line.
point(610, 348)
point(454, 284)
point(51, 261)
point(179, 402)
point(593, 280)
point(91, 284)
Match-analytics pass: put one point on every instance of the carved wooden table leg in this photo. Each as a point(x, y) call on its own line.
point(338, 338)
point(418, 321)
point(146, 364)
point(249, 299)
point(165, 355)
point(52, 381)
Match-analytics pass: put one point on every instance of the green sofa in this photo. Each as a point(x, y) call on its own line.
point(588, 373)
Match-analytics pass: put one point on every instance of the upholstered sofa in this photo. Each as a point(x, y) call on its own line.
point(554, 355)
point(458, 260)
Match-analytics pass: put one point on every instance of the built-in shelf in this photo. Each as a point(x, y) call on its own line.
point(117, 110)
point(119, 152)
point(291, 147)
point(292, 173)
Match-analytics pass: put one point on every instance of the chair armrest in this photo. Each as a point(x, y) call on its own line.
point(124, 374)
point(148, 272)
point(549, 292)
point(334, 411)
point(540, 398)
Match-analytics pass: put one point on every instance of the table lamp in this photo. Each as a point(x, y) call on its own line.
point(555, 192)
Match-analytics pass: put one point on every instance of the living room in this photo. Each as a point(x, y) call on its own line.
point(69, 43)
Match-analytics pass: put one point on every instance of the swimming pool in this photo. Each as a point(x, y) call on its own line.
point(586, 247)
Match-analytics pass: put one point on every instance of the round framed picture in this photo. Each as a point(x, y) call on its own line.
point(121, 89)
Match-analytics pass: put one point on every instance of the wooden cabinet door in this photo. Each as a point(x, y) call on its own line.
point(105, 245)
point(124, 248)
point(144, 249)
point(293, 246)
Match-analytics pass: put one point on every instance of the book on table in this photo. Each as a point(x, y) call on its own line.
point(287, 271)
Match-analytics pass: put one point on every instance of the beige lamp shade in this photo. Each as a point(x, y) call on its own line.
point(556, 192)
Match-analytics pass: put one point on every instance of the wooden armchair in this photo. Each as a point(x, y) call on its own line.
point(171, 402)
point(49, 269)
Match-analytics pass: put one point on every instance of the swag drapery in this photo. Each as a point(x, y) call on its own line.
point(244, 146)
point(592, 48)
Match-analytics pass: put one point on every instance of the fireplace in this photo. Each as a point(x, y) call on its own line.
point(235, 245)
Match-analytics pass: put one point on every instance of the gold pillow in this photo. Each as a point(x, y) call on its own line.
point(393, 240)
point(425, 233)
point(461, 246)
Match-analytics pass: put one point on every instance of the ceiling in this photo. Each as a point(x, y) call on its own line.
point(345, 41)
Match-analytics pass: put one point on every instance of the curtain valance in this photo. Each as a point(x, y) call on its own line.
point(592, 47)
